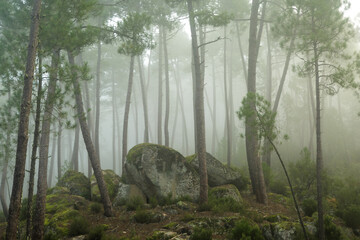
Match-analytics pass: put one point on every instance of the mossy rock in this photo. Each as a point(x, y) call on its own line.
point(76, 182)
point(60, 211)
point(160, 171)
point(112, 181)
point(226, 191)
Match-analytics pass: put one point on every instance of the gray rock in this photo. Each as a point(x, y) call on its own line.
point(160, 171)
point(226, 191)
point(112, 181)
point(76, 182)
point(127, 192)
point(218, 173)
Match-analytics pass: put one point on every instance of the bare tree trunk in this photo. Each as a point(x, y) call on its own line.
point(127, 110)
point(144, 100)
point(59, 149)
point(94, 157)
point(97, 116)
point(136, 115)
point(241, 53)
point(227, 119)
point(231, 105)
point(319, 158)
point(215, 138)
point(267, 146)
point(113, 122)
point(167, 89)
point(75, 152)
point(181, 102)
point(52, 162)
point(89, 122)
point(312, 116)
point(160, 86)
point(39, 213)
point(252, 148)
point(2, 186)
point(175, 120)
point(20, 160)
point(199, 103)
point(34, 151)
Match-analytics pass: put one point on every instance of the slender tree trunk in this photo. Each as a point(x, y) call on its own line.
point(97, 116)
point(319, 159)
point(199, 103)
point(127, 110)
point(89, 122)
point(167, 89)
point(252, 148)
point(312, 115)
point(135, 114)
point(75, 153)
point(183, 115)
point(94, 157)
point(113, 122)
point(227, 119)
point(215, 138)
point(144, 100)
point(267, 146)
point(6, 160)
point(160, 86)
point(241, 53)
point(175, 119)
point(22, 141)
point(34, 151)
point(231, 105)
point(39, 216)
point(52, 162)
point(59, 149)
point(2, 185)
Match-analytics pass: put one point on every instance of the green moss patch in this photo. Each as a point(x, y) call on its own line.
point(76, 182)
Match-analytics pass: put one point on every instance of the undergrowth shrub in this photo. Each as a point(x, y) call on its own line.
point(142, 216)
point(246, 230)
point(351, 216)
point(309, 206)
point(201, 234)
point(97, 233)
point(95, 207)
point(134, 203)
point(225, 204)
point(78, 226)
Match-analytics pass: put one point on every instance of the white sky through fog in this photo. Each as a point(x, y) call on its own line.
point(354, 10)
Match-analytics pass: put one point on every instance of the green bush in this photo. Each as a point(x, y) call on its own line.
point(332, 232)
point(2, 217)
point(309, 206)
point(187, 217)
point(167, 200)
point(95, 207)
point(153, 202)
point(134, 203)
point(97, 233)
point(351, 216)
point(279, 186)
point(78, 226)
point(225, 204)
point(201, 234)
point(246, 230)
point(142, 216)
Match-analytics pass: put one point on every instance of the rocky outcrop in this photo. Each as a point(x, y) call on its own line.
point(128, 192)
point(112, 181)
point(226, 191)
point(76, 182)
point(218, 173)
point(160, 171)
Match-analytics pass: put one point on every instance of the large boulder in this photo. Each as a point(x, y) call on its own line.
point(76, 182)
point(112, 181)
point(218, 173)
point(160, 171)
point(226, 191)
point(128, 192)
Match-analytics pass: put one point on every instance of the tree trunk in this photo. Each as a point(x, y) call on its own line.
point(52, 162)
point(227, 119)
point(39, 214)
point(167, 89)
point(159, 131)
point(319, 159)
point(241, 53)
point(34, 151)
point(59, 150)
point(144, 100)
point(215, 138)
point(199, 103)
point(267, 146)
point(127, 110)
point(97, 116)
point(89, 122)
point(113, 122)
point(252, 148)
point(2, 186)
point(135, 114)
point(22, 141)
point(75, 153)
point(94, 157)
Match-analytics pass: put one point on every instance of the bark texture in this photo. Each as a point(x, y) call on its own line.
point(95, 161)
point(22, 141)
point(199, 104)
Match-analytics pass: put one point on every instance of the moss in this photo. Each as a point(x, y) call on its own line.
point(112, 181)
point(171, 225)
point(276, 218)
point(76, 182)
point(190, 158)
